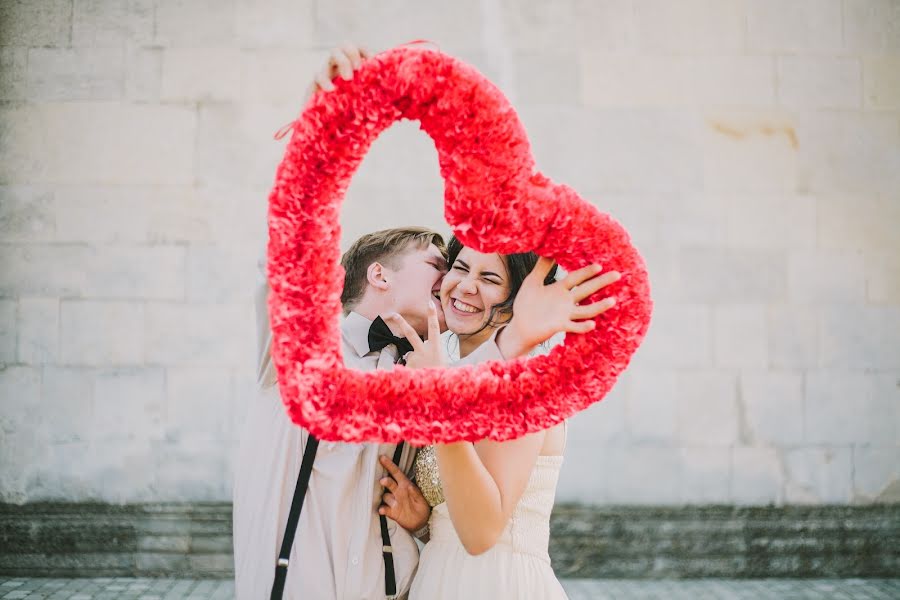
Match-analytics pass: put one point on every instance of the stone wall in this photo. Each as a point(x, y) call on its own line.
point(752, 149)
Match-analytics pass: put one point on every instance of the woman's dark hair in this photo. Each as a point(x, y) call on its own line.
point(518, 266)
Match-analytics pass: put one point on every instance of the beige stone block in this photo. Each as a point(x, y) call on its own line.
point(8, 333)
point(690, 26)
point(861, 337)
point(546, 78)
point(38, 328)
point(707, 408)
point(772, 407)
point(757, 476)
point(848, 152)
point(112, 22)
point(885, 408)
point(136, 396)
point(741, 276)
point(796, 26)
point(603, 422)
point(195, 23)
point(234, 145)
point(276, 23)
point(97, 143)
point(750, 152)
point(771, 221)
point(865, 223)
point(455, 26)
point(826, 278)
point(706, 474)
point(13, 74)
point(819, 83)
point(537, 26)
point(627, 80)
point(143, 74)
point(818, 475)
point(605, 25)
point(65, 74)
point(630, 469)
point(793, 336)
point(740, 337)
point(221, 273)
point(199, 335)
point(881, 83)
point(679, 336)
point(201, 75)
point(838, 408)
point(692, 219)
point(237, 214)
point(193, 468)
point(663, 143)
point(651, 406)
point(36, 22)
point(68, 395)
point(876, 470)
point(101, 333)
point(278, 75)
point(872, 26)
point(26, 213)
point(883, 278)
point(199, 403)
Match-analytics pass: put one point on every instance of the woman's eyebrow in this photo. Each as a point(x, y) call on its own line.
point(483, 273)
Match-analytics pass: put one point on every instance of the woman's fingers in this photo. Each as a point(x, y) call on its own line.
point(588, 288)
point(589, 311)
point(581, 326)
point(542, 268)
point(576, 277)
point(434, 327)
point(389, 500)
point(406, 331)
point(364, 52)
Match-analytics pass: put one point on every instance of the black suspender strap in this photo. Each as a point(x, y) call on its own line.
point(387, 551)
point(281, 567)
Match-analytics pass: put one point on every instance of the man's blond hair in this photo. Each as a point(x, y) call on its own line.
point(388, 247)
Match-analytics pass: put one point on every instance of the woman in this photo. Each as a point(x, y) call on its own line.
point(490, 524)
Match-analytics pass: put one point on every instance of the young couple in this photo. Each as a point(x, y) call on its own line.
point(482, 510)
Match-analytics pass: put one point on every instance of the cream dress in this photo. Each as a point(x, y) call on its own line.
point(518, 566)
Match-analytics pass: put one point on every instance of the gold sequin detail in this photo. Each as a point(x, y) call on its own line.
point(427, 476)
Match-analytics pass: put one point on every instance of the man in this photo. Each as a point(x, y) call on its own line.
point(338, 549)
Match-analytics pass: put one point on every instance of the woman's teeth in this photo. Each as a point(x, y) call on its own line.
point(464, 307)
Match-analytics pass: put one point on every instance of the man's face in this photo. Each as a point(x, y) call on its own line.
point(415, 283)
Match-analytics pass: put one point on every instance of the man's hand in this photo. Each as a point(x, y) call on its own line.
point(429, 353)
point(342, 61)
point(403, 502)
point(541, 311)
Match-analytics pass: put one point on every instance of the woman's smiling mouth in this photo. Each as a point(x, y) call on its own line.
point(461, 307)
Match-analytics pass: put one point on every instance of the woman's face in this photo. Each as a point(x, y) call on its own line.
point(474, 284)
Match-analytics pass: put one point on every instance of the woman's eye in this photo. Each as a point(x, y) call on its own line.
point(458, 268)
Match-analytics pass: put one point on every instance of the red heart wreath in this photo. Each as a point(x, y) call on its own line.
point(495, 201)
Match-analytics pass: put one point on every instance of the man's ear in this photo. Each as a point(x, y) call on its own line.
point(375, 276)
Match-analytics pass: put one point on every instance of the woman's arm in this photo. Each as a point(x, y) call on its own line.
point(483, 483)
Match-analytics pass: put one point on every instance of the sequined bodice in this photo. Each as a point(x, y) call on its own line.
point(427, 477)
point(528, 530)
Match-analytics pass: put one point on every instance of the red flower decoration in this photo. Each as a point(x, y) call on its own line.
point(495, 201)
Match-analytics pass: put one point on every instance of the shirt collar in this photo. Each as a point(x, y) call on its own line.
point(355, 329)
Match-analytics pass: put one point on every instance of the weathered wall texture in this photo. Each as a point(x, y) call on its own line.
point(752, 148)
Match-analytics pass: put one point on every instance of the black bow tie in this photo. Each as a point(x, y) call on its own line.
point(380, 335)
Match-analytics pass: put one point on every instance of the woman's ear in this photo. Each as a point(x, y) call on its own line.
point(375, 276)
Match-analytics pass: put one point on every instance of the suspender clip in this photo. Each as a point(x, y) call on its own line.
point(282, 562)
point(388, 549)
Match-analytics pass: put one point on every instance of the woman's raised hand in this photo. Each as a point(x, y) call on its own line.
point(427, 353)
point(541, 311)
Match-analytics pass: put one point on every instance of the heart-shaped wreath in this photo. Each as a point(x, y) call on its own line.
point(495, 201)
